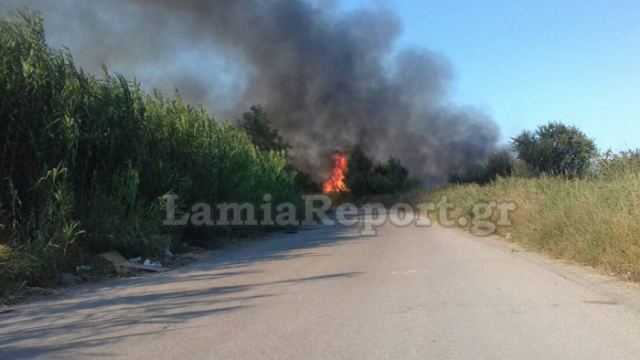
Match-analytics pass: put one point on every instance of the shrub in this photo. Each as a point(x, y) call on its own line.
point(611, 165)
point(366, 178)
point(499, 164)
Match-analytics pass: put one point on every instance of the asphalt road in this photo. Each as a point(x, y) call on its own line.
point(327, 293)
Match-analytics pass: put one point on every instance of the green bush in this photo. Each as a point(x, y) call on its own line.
point(363, 177)
point(556, 149)
point(499, 164)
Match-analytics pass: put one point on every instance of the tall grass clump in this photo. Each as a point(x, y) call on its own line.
point(85, 161)
point(591, 220)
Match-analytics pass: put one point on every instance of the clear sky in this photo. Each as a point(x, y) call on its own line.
point(531, 62)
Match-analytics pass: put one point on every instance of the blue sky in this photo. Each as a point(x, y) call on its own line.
point(530, 62)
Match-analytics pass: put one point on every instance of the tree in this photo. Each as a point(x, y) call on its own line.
point(359, 168)
point(364, 177)
point(256, 124)
point(500, 164)
point(555, 149)
point(474, 174)
point(389, 178)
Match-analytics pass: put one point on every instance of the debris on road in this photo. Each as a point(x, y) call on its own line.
point(121, 264)
point(148, 262)
point(83, 268)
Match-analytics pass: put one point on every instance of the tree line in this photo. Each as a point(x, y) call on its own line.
point(554, 149)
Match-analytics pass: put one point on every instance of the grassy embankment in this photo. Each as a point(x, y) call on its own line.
point(593, 221)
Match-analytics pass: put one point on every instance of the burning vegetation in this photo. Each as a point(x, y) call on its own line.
point(336, 183)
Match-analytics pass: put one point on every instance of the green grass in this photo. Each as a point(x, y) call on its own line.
point(592, 221)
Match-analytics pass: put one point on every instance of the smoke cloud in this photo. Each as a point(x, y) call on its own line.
point(328, 79)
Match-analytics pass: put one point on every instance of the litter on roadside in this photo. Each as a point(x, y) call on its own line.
point(121, 263)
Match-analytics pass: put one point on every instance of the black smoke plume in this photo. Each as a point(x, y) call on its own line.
point(327, 78)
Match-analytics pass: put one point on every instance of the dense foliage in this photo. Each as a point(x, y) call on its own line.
point(85, 161)
point(499, 164)
point(364, 177)
point(358, 172)
point(257, 125)
point(556, 149)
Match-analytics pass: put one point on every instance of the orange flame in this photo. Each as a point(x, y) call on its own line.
point(336, 181)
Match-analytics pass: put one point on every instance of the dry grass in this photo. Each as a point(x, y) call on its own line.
point(590, 221)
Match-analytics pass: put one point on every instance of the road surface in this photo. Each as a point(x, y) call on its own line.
point(327, 293)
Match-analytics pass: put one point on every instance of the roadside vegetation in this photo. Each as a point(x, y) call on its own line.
point(86, 161)
point(365, 178)
point(572, 203)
